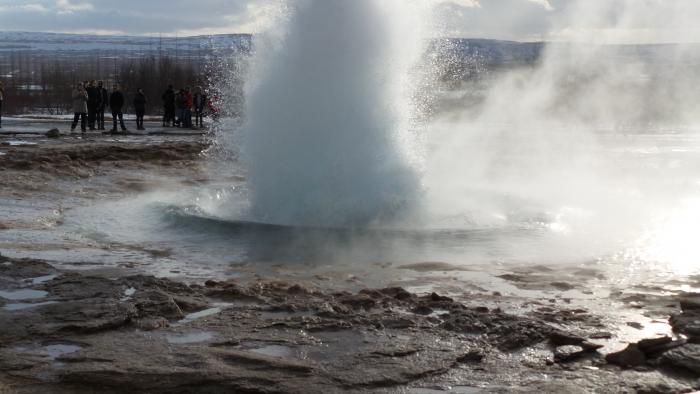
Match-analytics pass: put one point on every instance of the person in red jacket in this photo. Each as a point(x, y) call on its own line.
point(188, 107)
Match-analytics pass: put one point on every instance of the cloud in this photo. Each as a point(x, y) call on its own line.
point(66, 7)
point(543, 3)
point(28, 8)
point(525, 20)
point(461, 3)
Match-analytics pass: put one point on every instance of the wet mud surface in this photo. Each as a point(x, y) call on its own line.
point(85, 333)
point(103, 326)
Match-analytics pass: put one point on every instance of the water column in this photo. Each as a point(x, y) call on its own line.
point(325, 112)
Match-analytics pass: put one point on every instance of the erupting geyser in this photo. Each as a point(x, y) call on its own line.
point(326, 111)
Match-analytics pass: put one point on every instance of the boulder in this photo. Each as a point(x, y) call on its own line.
point(687, 357)
point(53, 133)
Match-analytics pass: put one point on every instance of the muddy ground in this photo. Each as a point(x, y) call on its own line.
point(124, 330)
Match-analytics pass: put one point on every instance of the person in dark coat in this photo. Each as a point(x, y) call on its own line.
point(116, 102)
point(80, 98)
point(200, 103)
point(168, 106)
point(180, 105)
point(2, 98)
point(104, 99)
point(140, 108)
point(94, 100)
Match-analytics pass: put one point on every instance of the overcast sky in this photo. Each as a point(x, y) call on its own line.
point(615, 20)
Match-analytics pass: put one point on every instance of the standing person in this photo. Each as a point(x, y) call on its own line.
point(168, 106)
point(188, 107)
point(180, 105)
point(116, 102)
point(2, 98)
point(94, 99)
point(140, 108)
point(200, 103)
point(104, 99)
point(80, 109)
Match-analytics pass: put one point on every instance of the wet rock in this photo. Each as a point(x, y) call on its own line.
point(397, 323)
point(563, 286)
point(299, 289)
point(686, 357)
point(568, 353)
point(601, 335)
point(438, 298)
point(636, 325)
point(397, 293)
point(560, 338)
point(157, 303)
point(150, 323)
point(422, 310)
point(53, 133)
point(190, 304)
point(687, 323)
point(628, 358)
point(358, 302)
point(508, 332)
point(690, 302)
point(473, 357)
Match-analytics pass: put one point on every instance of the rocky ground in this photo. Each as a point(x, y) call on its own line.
point(117, 331)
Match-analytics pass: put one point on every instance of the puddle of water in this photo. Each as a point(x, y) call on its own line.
point(127, 294)
point(276, 351)
point(41, 279)
point(451, 390)
point(19, 143)
point(195, 337)
point(23, 306)
point(22, 294)
point(56, 351)
point(218, 307)
point(52, 351)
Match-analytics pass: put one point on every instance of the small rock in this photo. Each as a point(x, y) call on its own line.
point(560, 338)
point(567, 353)
point(634, 324)
point(601, 335)
point(472, 357)
point(53, 133)
point(436, 297)
point(562, 286)
point(422, 310)
point(628, 358)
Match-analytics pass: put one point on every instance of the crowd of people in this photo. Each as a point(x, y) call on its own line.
point(179, 105)
point(91, 100)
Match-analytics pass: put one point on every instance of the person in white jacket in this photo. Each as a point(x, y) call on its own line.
point(80, 99)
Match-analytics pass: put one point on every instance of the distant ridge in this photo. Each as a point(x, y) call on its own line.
point(12, 40)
